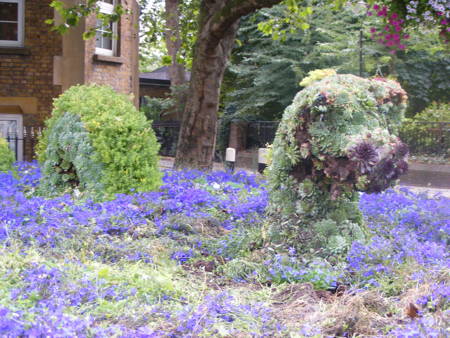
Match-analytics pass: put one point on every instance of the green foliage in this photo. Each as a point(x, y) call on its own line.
point(424, 75)
point(334, 140)
point(71, 16)
point(155, 108)
point(153, 27)
point(264, 75)
point(6, 156)
point(316, 75)
point(262, 78)
point(436, 112)
point(294, 17)
point(97, 140)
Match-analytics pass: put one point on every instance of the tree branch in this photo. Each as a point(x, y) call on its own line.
point(233, 11)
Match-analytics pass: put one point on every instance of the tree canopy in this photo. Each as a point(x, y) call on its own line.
point(264, 74)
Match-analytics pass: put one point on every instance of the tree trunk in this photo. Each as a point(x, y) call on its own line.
point(218, 24)
point(197, 139)
point(173, 44)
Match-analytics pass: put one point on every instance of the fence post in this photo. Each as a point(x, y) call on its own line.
point(238, 135)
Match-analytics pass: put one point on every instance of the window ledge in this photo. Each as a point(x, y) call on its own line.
point(15, 51)
point(108, 59)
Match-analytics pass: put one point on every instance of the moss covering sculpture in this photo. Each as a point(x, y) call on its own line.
point(6, 157)
point(96, 140)
point(335, 140)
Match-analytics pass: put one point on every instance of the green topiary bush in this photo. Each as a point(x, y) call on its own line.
point(6, 157)
point(335, 139)
point(96, 140)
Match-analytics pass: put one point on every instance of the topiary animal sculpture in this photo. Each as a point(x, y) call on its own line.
point(337, 138)
point(6, 157)
point(96, 140)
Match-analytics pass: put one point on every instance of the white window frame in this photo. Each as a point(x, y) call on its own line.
point(20, 24)
point(19, 122)
point(107, 8)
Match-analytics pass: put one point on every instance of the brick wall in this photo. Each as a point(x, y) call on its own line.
point(31, 76)
point(28, 75)
point(120, 72)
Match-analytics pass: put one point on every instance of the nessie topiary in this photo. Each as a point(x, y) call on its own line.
point(337, 138)
point(97, 140)
point(6, 156)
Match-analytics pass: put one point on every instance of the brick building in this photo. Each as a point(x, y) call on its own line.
point(36, 64)
point(154, 84)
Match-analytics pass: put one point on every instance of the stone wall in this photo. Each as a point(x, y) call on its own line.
point(26, 74)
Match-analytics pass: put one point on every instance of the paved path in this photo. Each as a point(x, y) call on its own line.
point(430, 191)
point(431, 170)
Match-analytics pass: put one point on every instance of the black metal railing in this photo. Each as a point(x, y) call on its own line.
point(24, 144)
point(427, 138)
point(167, 135)
point(423, 138)
point(261, 133)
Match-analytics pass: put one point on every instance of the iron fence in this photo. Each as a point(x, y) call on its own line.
point(261, 133)
point(427, 138)
point(167, 135)
point(423, 138)
point(24, 144)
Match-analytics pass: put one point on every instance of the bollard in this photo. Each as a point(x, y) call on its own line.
point(262, 159)
point(230, 159)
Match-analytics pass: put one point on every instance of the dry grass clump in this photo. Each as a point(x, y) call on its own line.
point(366, 313)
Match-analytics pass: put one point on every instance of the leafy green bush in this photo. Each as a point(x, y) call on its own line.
point(334, 140)
point(97, 140)
point(155, 108)
point(436, 112)
point(316, 75)
point(6, 156)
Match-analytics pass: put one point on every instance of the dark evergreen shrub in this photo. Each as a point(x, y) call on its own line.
point(335, 139)
point(96, 140)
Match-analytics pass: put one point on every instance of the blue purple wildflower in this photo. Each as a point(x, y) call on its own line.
point(49, 299)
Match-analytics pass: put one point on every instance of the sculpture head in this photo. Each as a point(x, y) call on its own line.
point(340, 132)
point(337, 137)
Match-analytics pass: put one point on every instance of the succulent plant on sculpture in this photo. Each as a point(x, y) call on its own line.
point(336, 139)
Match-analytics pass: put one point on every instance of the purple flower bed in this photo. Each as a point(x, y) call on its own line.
point(72, 265)
point(405, 227)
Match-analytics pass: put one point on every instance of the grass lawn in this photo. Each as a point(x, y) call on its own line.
point(192, 261)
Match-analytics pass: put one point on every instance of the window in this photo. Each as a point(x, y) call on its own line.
point(105, 43)
point(11, 128)
point(11, 23)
